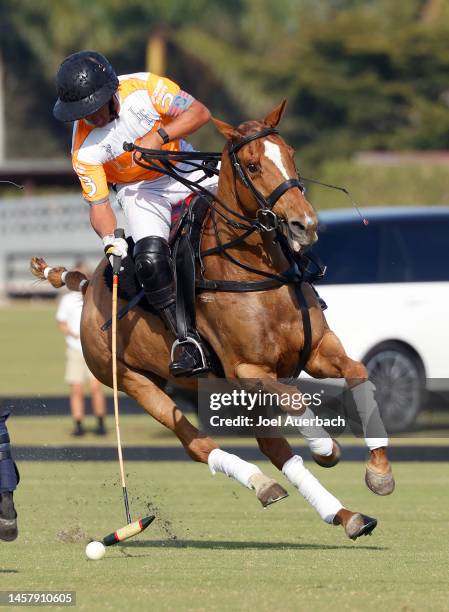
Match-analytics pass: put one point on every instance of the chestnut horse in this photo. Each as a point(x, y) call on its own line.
point(256, 335)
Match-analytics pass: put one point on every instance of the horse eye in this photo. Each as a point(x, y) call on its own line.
point(252, 167)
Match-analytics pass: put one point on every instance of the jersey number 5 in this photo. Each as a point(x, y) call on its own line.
point(89, 186)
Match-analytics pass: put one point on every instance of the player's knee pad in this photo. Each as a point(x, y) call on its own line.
point(154, 270)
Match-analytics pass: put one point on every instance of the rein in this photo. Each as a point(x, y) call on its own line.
point(168, 168)
point(266, 220)
point(164, 162)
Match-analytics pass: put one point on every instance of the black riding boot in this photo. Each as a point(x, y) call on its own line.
point(8, 517)
point(187, 356)
point(155, 273)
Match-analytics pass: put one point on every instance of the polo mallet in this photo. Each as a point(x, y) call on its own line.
point(132, 528)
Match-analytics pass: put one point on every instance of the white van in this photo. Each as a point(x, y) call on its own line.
point(387, 290)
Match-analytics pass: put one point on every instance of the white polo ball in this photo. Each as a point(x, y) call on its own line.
point(95, 551)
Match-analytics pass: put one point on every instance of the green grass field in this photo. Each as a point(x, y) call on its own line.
point(213, 548)
point(32, 356)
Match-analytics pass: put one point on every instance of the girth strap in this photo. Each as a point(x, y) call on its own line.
point(237, 286)
point(307, 327)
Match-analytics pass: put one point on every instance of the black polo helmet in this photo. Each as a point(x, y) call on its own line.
point(85, 82)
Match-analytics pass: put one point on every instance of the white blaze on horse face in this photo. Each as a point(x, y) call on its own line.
point(273, 152)
point(307, 220)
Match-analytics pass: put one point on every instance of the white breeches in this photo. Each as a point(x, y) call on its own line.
point(147, 204)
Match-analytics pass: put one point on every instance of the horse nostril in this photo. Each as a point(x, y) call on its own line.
point(297, 225)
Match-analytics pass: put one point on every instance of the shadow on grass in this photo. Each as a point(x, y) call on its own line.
point(8, 571)
point(226, 545)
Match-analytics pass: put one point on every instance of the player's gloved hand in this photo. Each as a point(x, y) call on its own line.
point(115, 246)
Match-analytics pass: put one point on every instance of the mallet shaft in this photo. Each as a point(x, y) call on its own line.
point(131, 529)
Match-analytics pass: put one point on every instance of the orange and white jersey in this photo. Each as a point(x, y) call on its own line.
point(147, 102)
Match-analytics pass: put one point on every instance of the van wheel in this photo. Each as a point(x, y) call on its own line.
point(398, 375)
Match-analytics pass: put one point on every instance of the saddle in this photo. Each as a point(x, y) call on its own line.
point(187, 220)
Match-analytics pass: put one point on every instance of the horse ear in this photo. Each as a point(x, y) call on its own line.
point(273, 118)
point(227, 130)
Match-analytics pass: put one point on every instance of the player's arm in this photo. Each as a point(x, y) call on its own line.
point(102, 217)
point(184, 124)
point(185, 114)
point(104, 222)
point(96, 193)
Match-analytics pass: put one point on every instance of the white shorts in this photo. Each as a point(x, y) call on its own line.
point(147, 204)
point(76, 370)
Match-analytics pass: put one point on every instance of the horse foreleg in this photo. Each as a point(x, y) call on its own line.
point(325, 451)
point(278, 450)
point(330, 509)
point(197, 445)
point(330, 360)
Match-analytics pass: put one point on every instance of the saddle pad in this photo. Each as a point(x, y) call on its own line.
point(129, 285)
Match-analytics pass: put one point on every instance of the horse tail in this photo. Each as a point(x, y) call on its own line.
point(58, 277)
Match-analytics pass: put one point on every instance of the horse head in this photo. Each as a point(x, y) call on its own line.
point(258, 168)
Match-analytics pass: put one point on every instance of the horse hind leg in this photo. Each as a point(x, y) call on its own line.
point(198, 446)
point(330, 360)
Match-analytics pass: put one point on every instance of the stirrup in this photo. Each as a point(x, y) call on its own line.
point(191, 340)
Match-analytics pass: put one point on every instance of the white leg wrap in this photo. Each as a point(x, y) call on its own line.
point(368, 410)
point(373, 443)
point(317, 437)
point(232, 466)
point(321, 446)
point(318, 497)
point(47, 271)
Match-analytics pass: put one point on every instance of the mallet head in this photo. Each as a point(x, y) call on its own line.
point(128, 531)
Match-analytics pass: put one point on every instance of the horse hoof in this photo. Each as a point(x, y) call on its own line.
point(380, 484)
point(329, 460)
point(271, 494)
point(268, 491)
point(8, 529)
point(360, 524)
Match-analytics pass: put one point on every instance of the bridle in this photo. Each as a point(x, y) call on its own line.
point(266, 219)
point(165, 162)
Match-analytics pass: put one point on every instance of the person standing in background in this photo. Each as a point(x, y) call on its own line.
point(77, 374)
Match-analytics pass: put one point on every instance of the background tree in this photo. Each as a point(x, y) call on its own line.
point(358, 74)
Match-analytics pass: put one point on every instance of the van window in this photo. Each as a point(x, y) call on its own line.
point(415, 250)
point(350, 251)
